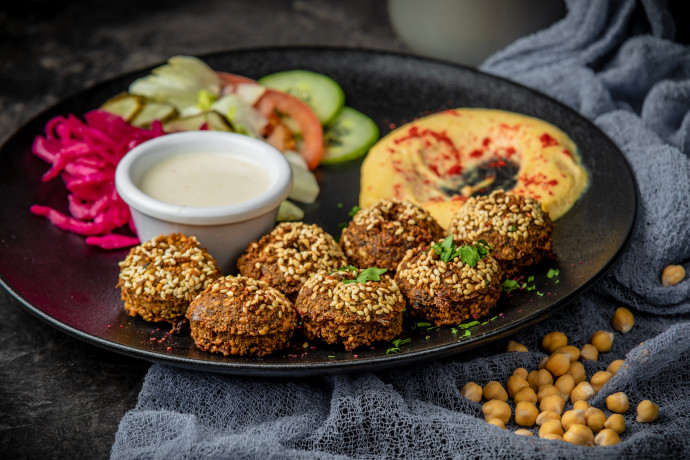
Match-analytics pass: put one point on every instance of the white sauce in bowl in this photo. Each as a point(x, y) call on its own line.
point(204, 180)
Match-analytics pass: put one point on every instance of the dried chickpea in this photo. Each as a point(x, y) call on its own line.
point(496, 408)
point(602, 341)
point(581, 404)
point(539, 378)
point(595, 419)
point(565, 384)
point(547, 390)
point(542, 363)
point(617, 402)
point(523, 432)
point(526, 394)
point(607, 437)
point(614, 366)
point(516, 346)
point(552, 437)
point(647, 411)
point(579, 434)
point(558, 364)
point(472, 391)
point(582, 392)
point(600, 379)
point(554, 340)
point(573, 416)
point(545, 416)
point(553, 403)
point(589, 352)
point(615, 422)
point(526, 413)
point(577, 370)
point(494, 390)
point(497, 422)
point(521, 372)
point(551, 427)
point(515, 384)
point(623, 320)
point(672, 274)
point(570, 350)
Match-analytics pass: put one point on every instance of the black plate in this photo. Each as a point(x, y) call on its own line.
point(72, 286)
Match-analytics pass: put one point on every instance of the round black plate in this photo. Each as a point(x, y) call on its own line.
point(72, 286)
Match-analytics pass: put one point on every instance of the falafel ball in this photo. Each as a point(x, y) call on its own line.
point(159, 277)
point(515, 226)
point(350, 313)
point(241, 316)
point(379, 235)
point(449, 292)
point(286, 257)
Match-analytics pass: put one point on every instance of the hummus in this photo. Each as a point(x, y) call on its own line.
point(440, 160)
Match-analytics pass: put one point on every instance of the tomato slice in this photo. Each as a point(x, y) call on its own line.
point(273, 103)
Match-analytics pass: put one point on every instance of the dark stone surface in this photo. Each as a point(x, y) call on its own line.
point(60, 397)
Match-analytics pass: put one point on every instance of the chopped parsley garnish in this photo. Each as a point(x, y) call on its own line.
point(552, 272)
point(509, 286)
point(396, 345)
point(468, 325)
point(512, 228)
point(339, 205)
point(368, 274)
point(355, 209)
point(470, 255)
point(420, 324)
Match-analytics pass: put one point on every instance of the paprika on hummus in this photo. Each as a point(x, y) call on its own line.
point(440, 160)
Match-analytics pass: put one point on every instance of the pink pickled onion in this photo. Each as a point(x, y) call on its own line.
point(85, 154)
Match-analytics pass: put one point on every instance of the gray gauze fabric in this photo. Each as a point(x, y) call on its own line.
point(615, 63)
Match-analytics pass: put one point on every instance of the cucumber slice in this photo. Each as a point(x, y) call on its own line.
point(153, 111)
point(124, 105)
point(349, 137)
point(214, 121)
point(320, 92)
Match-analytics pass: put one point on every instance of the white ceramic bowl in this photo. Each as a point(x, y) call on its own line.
point(224, 230)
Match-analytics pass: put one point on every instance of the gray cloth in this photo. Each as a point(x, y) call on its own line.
point(614, 62)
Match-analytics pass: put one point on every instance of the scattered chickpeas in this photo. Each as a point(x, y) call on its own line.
point(623, 320)
point(521, 372)
point(617, 402)
point(526, 413)
point(565, 384)
point(558, 364)
point(615, 422)
point(570, 350)
point(547, 390)
point(496, 408)
point(647, 411)
point(497, 422)
point(516, 346)
point(552, 437)
point(579, 434)
point(607, 437)
point(672, 274)
point(581, 404)
point(515, 384)
point(539, 378)
point(600, 379)
point(472, 391)
point(589, 352)
point(542, 363)
point(573, 416)
point(523, 432)
point(602, 341)
point(546, 416)
point(526, 394)
point(553, 403)
point(553, 341)
point(494, 390)
point(595, 419)
point(582, 392)
point(614, 366)
point(551, 427)
point(577, 370)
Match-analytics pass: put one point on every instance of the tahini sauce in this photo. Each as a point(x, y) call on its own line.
point(204, 179)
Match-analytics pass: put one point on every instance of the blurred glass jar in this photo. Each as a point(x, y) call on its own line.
point(469, 31)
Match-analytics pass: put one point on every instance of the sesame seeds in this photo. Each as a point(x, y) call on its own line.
point(251, 296)
point(508, 214)
point(168, 267)
point(397, 211)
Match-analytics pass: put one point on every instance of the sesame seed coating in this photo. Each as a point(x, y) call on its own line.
point(237, 316)
point(514, 225)
point(353, 314)
point(159, 277)
point(289, 255)
point(448, 293)
point(379, 235)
